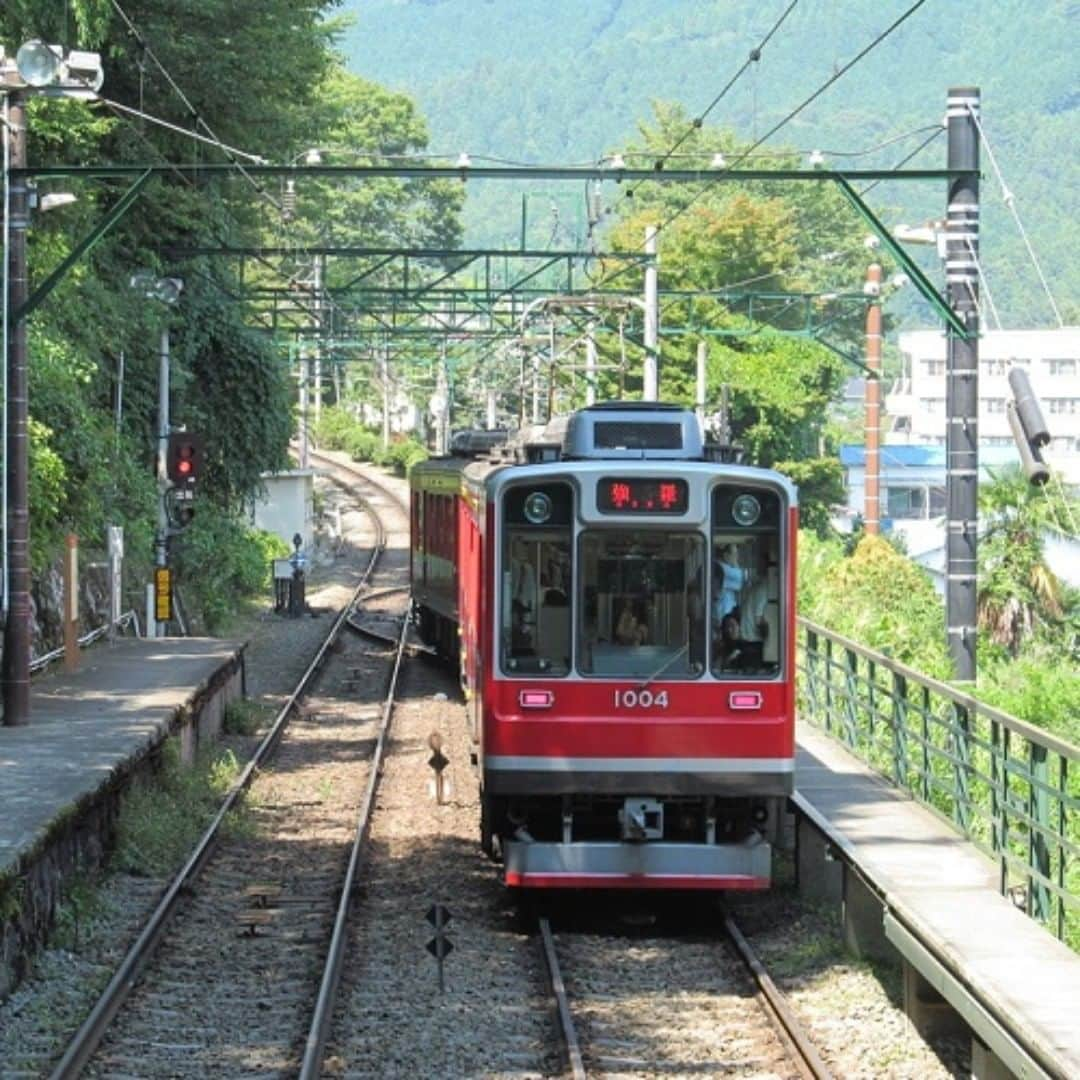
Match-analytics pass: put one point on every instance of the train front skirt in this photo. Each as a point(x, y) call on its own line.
point(645, 865)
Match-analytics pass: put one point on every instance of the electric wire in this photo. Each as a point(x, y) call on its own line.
point(743, 155)
point(254, 158)
point(1009, 199)
point(148, 53)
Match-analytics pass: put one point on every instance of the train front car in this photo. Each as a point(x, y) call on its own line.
point(638, 725)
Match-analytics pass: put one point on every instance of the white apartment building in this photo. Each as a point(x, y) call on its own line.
point(915, 406)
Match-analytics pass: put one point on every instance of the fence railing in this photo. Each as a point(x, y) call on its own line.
point(1011, 788)
point(128, 621)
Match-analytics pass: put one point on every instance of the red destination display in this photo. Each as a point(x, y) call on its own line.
point(639, 495)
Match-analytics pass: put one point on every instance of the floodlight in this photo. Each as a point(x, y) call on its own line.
point(168, 289)
point(39, 64)
point(817, 159)
point(313, 157)
point(719, 161)
point(85, 68)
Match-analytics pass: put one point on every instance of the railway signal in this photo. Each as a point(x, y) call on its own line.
point(440, 946)
point(184, 459)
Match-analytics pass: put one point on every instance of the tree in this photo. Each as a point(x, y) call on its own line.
point(1019, 595)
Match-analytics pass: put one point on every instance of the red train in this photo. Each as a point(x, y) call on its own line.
point(622, 606)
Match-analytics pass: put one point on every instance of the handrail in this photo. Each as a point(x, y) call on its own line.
point(1014, 723)
point(39, 663)
point(1011, 788)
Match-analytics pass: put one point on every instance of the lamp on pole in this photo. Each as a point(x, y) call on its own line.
point(37, 68)
point(166, 291)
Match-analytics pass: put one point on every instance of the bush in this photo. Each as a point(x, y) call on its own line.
point(220, 561)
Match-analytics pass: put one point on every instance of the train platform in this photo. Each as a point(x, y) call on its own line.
point(910, 882)
point(89, 732)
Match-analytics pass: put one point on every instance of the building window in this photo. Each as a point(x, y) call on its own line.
point(993, 405)
point(906, 502)
point(1060, 366)
point(932, 404)
point(1062, 406)
point(996, 367)
point(1063, 444)
point(933, 367)
point(995, 440)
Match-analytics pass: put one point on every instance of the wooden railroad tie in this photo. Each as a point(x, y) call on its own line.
point(253, 918)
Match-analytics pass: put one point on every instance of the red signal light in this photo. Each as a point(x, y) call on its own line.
point(184, 458)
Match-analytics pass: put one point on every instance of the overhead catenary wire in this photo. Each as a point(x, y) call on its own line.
point(743, 155)
point(1009, 199)
point(149, 54)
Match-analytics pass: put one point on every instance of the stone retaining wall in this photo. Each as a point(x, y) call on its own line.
point(82, 834)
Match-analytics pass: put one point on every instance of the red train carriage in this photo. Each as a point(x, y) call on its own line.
point(624, 616)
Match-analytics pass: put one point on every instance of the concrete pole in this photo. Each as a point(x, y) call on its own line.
point(699, 397)
point(303, 378)
point(962, 390)
point(872, 493)
point(489, 419)
point(384, 366)
point(318, 285)
point(590, 363)
point(536, 388)
point(16, 662)
point(650, 387)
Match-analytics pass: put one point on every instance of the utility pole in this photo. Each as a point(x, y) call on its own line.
point(303, 423)
point(384, 367)
point(962, 391)
point(318, 288)
point(699, 394)
point(872, 492)
point(590, 363)
point(16, 664)
point(161, 539)
point(650, 386)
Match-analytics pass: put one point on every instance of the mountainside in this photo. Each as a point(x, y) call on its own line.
point(565, 81)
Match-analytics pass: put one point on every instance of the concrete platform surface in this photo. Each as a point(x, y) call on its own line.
point(945, 890)
point(84, 726)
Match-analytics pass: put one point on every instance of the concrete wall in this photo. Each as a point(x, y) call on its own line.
point(82, 834)
point(288, 507)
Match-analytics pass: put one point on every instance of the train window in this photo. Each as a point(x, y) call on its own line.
point(642, 603)
point(535, 603)
point(746, 608)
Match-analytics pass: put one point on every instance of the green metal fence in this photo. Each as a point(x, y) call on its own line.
point(1011, 788)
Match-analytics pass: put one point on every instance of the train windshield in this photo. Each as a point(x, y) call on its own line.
point(745, 606)
point(642, 609)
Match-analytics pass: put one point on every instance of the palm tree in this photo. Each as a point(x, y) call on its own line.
point(1017, 590)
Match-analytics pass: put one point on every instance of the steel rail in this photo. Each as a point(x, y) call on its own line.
point(567, 1028)
point(786, 1022)
point(86, 1039)
point(315, 1045)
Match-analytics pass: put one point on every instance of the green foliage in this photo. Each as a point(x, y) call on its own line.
point(221, 560)
point(245, 717)
point(164, 815)
point(878, 598)
point(581, 76)
point(1037, 690)
point(338, 430)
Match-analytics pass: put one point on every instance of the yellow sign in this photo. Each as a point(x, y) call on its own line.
point(163, 594)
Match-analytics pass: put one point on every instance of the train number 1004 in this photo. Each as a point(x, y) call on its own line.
point(641, 699)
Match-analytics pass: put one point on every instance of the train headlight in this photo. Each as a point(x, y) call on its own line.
point(746, 510)
point(538, 507)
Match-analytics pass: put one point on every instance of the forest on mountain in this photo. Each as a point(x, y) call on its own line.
point(564, 81)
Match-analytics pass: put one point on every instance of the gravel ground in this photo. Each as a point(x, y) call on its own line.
point(39, 1018)
point(492, 1019)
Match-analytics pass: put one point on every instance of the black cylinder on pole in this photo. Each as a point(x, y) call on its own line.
point(962, 392)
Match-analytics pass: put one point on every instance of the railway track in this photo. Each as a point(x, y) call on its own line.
point(222, 977)
point(670, 1006)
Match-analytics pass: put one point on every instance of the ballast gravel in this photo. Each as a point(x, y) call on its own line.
point(492, 1018)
